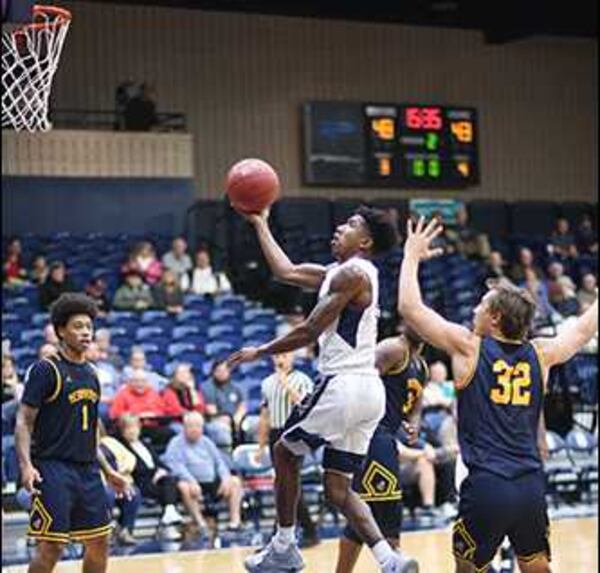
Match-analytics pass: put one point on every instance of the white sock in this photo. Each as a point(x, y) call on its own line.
point(283, 538)
point(382, 551)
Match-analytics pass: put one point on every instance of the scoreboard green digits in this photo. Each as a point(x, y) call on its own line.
point(390, 145)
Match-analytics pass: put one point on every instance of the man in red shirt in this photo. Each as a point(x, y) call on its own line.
point(138, 397)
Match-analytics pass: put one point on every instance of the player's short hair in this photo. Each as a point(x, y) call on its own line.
point(69, 304)
point(515, 305)
point(381, 228)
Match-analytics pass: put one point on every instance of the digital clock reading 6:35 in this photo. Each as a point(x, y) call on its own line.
point(395, 145)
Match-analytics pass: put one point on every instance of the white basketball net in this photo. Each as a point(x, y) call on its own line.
point(30, 55)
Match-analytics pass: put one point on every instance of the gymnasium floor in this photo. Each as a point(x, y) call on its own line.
point(574, 547)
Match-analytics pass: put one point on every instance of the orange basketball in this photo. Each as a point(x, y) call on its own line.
point(252, 185)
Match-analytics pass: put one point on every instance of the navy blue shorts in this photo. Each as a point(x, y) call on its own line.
point(492, 507)
point(72, 504)
point(378, 483)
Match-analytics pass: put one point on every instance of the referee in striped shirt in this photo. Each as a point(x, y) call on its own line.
point(281, 391)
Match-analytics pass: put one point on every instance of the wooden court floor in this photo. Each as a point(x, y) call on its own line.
point(574, 548)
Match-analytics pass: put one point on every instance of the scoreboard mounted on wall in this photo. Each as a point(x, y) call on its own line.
point(406, 146)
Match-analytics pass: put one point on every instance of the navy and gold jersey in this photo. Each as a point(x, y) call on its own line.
point(499, 407)
point(67, 396)
point(403, 387)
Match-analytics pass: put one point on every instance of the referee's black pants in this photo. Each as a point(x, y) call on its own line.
point(302, 513)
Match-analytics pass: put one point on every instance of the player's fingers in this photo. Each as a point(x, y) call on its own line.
point(433, 224)
point(434, 232)
point(432, 253)
point(420, 224)
point(409, 227)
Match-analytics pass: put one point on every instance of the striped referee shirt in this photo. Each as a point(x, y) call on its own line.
point(277, 399)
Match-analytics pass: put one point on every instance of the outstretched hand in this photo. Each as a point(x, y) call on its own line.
point(420, 237)
point(255, 218)
point(248, 354)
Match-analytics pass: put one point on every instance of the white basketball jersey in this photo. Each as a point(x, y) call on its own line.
point(348, 344)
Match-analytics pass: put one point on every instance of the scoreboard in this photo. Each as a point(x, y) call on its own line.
point(390, 145)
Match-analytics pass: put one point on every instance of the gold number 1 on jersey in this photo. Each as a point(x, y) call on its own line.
point(84, 417)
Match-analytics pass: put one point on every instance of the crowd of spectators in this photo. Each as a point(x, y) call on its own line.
point(174, 435)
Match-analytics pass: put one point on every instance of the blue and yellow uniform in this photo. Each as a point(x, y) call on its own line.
point(499, 408)
point(378, 482)
point(72, 504)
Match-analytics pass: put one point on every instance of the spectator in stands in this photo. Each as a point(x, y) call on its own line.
point(11, 385)
point(150, 474)
point(204, 279)
point(50, 335)
point(124, 92)
point(124, 462)
point(545, 315)
point(438, 400)
point(137, 361)
point(168, 294)
point(587, 239)
point(56, 284)
point(134, 294)
point(142, 259)
point(525, 261)
point(178, 261)
point(96, 290)
point(140, 110)
point(556, 274)
point(496, 266)
point(465, 239)
point(13, 272)
point(181, 395)
point(292, 320)
point(108, 352)
point(417, 466)
point(39, 270)
point(225, 400)
point(108, 376)
point(47, 350)
point(562, 242)
point(562, 298)
point(195, 460)
point(138, 397)
point(588, 292)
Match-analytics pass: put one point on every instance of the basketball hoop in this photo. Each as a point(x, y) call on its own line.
point(30, 55)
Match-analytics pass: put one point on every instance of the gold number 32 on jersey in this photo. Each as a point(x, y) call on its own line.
point(513, 384)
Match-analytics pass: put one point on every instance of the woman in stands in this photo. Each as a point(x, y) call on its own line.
point(150, 475)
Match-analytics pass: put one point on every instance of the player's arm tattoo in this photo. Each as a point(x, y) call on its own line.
point(343, 289)
point(26, 417)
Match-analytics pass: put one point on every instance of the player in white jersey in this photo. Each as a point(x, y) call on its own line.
point(349, 399)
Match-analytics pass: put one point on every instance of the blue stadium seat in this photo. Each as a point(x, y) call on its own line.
point(181, 332)
point(145, 332)
point(40, 319)
point(217, 331)
point(252, 330)
point(176, 348)
point(217, 347)
point(583, 451)
point(32, 337)
point(190, 317)
point(559, 468)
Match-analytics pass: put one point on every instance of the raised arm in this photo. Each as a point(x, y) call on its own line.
point(432, 327)
point(346, 285)
point(306, 275)
point(570, 339)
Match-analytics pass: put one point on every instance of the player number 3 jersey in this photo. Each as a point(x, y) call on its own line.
point(348, 344)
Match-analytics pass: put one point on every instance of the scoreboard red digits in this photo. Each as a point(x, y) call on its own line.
point(423, 118)
point(407, 146)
